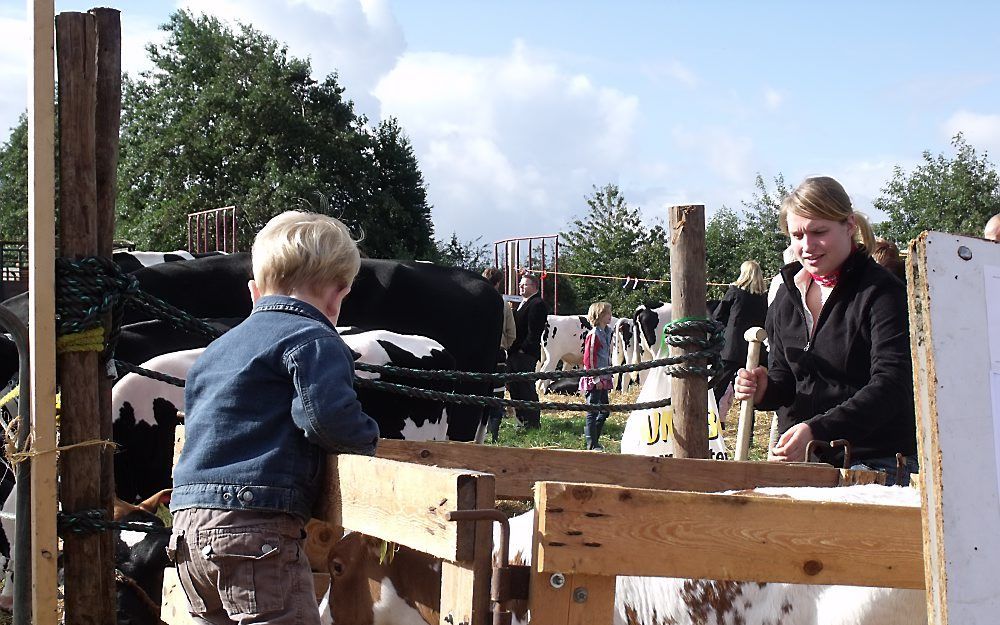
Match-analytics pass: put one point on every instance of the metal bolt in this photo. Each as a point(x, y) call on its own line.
point(580, 594)
point(558, 580)
point(964, 253)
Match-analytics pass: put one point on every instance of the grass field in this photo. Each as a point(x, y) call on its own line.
point(564, 429)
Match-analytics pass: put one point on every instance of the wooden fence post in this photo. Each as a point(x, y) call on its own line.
point(107, 128)
point(687, 297)
point(87, 568)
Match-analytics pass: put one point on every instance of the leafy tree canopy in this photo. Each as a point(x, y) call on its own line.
point(732, 238)
point(229, 118)
point(14, 183)
point(950, 194)
point(611, 240)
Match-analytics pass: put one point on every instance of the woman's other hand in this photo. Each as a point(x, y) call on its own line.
point(750, 384)
point(791, 447)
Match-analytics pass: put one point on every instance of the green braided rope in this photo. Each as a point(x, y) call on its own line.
point(479, 400)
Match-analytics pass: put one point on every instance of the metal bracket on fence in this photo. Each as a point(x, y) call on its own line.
point(840, 442)
point(508, 583)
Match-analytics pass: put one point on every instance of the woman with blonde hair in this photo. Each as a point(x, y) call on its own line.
point(743, 306)
point(597, 354)
point(840, 348)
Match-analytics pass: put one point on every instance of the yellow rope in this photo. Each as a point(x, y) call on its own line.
point(91, 340)
point(13, 394)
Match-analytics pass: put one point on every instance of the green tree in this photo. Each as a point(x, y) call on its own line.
point(956, 195)
point(229, 118)
point(611, 240)
point(732, 238)
point(723, 249)
point(471, 255)
point(14, 183)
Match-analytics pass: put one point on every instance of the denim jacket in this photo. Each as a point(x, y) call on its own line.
point(264, 404)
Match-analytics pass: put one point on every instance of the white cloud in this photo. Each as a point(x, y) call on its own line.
point(773, 98)
point(722, 151)
point(980, 130)
point(508, 145)
point(359, 39)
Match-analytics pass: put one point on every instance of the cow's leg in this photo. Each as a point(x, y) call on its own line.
point(548, 363)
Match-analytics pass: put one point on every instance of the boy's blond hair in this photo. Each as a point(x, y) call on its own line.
point(300, 250)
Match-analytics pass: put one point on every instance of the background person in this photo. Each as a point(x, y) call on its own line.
point(886, 254)
point(743, 307)
point(525, 351)
point(494, 414)
point(840, 349)
point(597, 354)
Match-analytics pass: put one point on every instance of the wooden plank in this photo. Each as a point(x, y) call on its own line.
point(581, 600)
point(41, 303)
point(465, 586)
point(517, 470)
point(687, 296)
point(954, 323)
point(604, 530)
point(400, 503)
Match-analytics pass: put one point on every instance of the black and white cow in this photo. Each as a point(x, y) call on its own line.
point(133, 261)
point(455, 307)
point(562, 341)
point(145, 410)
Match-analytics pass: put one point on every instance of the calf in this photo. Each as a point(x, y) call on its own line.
point(371, 592)
point(140, 557)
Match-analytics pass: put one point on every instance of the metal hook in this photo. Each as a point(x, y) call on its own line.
point(840, 442)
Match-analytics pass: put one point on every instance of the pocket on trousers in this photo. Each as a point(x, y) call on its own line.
point(251, 573)
point(179, 554)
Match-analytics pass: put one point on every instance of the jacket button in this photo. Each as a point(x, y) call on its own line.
point(266, 548)
point(247, 496)
point(227, 496)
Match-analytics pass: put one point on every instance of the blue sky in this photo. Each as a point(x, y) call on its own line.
point(516, 109)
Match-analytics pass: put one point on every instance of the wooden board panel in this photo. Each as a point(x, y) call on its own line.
point(465, 586)
point(517, 470)
point(605, 530)
point(951, 335)
point(400, 503)
point(41, 303)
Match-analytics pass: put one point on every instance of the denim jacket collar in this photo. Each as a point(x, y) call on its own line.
point(289, 304)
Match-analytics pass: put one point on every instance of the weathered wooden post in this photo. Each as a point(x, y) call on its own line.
point(107, 128)
point(687, 296)
point(87, 569)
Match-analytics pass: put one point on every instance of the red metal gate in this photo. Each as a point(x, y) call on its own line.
point(212, 230)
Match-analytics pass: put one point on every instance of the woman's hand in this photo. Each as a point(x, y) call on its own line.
point(791, 447)
point(750, 384)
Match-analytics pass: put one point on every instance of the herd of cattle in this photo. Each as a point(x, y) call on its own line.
point(415, 315)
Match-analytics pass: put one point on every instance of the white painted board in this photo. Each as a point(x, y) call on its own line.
point(955, 333)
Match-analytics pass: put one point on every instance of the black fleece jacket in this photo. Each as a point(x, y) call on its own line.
point(853, 379)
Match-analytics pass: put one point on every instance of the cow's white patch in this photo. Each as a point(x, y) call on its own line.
point(428, 431)
point(140, 391)
point(368, 344)
point(391, 609)
point(132, 538)
point(148, 259)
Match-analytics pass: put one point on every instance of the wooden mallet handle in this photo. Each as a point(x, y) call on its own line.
point(754, 336)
